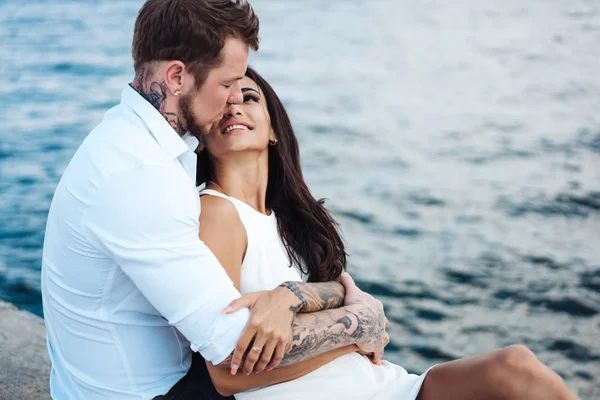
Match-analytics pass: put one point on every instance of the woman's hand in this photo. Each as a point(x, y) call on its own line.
point(268, 333)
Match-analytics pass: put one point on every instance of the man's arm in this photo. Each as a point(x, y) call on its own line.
point(320, 332)
point(316, 296)
point(146, 220)
point(361, 321)
point(318, 338)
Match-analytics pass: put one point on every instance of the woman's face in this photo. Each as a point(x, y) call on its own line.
point(245, 127)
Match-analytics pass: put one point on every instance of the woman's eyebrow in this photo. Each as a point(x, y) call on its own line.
point(250, 89)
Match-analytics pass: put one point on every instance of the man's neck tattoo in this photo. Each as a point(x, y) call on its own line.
point(173, 120)
point(155, 93)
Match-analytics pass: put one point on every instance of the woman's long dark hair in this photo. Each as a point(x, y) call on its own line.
point(309, 232)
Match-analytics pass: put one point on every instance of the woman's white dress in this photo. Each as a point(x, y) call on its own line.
point(351, 376)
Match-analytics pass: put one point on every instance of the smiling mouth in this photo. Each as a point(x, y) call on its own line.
point(235, 127)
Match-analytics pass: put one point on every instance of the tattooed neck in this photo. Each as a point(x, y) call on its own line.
point(155, 93)
point(173, 120)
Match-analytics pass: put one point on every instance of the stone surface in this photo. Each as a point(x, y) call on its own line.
point(24, 363)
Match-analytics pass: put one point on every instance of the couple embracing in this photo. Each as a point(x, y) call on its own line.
point(185, 253)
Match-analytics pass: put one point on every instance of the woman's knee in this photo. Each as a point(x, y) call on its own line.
point(512, 370)
point(498, 375)
point(517, 357)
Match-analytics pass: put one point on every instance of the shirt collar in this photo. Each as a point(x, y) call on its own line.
point(164, 134)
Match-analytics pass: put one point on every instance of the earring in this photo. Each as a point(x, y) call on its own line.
point(177, 92)
point(273, 142)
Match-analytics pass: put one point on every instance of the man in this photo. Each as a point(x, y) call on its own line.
point(129, 290)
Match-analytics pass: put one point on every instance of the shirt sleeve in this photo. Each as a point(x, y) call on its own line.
point(146, 219)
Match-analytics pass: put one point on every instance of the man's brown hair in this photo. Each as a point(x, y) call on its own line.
point(191, 31)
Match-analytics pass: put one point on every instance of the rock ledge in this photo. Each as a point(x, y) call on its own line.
point(24, 362)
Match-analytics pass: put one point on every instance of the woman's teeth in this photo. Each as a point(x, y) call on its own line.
point(232, 127)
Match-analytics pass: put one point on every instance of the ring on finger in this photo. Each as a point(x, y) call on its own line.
point(256, 349)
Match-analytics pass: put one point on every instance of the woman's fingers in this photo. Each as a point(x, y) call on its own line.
point(246, 301)
point(277, 356)
point(269, 329)
point(254, 352)
point(241, 346)
point(265, 357)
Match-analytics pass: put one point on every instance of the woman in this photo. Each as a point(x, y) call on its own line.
point(264, 226)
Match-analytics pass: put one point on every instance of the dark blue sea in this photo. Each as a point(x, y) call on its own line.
point(458, 143)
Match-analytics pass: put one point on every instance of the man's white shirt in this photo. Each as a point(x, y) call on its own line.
point(128, 288)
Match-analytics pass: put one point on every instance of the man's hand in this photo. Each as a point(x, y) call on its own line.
point(268, 333)
point(373, 321)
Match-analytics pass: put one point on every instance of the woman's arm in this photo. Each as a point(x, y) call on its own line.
point(228, 385)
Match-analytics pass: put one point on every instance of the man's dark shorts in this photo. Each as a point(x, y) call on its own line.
point(196, 385)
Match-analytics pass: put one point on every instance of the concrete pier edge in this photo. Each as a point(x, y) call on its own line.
point(24, 362)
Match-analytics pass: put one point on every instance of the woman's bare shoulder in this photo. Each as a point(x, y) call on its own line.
point(221, 229)
point(218, 212)
point(217, 206)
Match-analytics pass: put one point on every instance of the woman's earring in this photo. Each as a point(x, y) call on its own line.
point(177, 92)
point(273, 142)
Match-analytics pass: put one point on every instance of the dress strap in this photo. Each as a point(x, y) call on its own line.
point(213, 192)
point(235, 202)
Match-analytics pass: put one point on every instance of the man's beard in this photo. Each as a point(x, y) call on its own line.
point(191, 123)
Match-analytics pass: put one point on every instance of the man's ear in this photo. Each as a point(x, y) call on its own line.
point(175, 77)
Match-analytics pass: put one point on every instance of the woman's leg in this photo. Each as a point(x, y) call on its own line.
point(510, 373)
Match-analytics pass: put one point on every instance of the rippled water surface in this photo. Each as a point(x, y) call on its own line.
point(457, 142)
